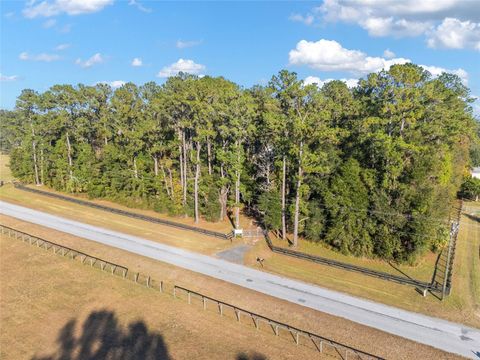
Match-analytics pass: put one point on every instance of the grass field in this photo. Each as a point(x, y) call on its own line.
point(161, 233)
point(5, 173)
point(462, 306)
point(48, 300)
point(49, 303)
point(422, 270)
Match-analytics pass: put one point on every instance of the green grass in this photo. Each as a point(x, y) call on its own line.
point(422, 270)
point(5, 173)
point(463, 305)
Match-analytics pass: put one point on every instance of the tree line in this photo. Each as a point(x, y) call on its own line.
point(370, 171)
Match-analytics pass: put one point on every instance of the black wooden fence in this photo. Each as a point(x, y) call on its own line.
point(355, 268)
point(300, 337)
point(130, 214)
point(432, 286)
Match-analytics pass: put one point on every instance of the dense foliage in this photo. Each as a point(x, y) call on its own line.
point(470, 189)
point(371, 171)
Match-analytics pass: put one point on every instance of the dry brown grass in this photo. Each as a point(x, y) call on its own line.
point(161, 233)
point(455, 308)
point(462, 306)
point(54, 285)
point(5, 173)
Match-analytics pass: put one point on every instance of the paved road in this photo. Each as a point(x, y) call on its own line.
point(448, 336)
point(235, 254)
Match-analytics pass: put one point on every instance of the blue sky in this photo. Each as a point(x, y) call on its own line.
point(47, 42)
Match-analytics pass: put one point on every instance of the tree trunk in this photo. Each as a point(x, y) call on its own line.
point(171, 183)
point(34, 149)
point(297, 196)
point(135, 170)
point(223, 196)
point(185, 157)
point(42, 160)
point(155, 165)
point(165, 180)
point(284, 180)
point(197, 177)
point(209, 153)
point(69, 154)
point(181, 168)
point(237, 190)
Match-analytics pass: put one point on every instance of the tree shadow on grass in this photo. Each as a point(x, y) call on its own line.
point(472, 217)
point(251, 356)
point(102, 337)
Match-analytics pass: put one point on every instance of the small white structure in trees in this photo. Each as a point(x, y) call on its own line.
point(476, 172)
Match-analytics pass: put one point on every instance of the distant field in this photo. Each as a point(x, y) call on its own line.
point(462, 306)
point(5, 173)
point(43, 295)
point(161, 233)
point(455, 308)
point(38, 285)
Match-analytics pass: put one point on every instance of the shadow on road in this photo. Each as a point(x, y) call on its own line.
point(102, 337)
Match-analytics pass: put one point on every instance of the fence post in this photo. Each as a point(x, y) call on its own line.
point(161, 286)
point(136, 276)
point(189, 297)
point(148, 282)
point(174, 291)
point(447, 265)
point(221, 309)
point(276, 330)
point(296, 337)
point(124, 273)
point(204, 301)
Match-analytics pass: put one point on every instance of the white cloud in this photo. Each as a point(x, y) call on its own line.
point(455, 34)
point(65, 29)
point(48, 8)
point(114, 84)
point(476, 107)
point(436, 71)
point(316, 80)
point(307, 19)
point(95, 59)
point(378, 26)
point(61, 47)
point(39, 57)
point(139, 6)
point(5, 78)
point(117, 83)
point(137, 62)
point(329, 55)
point(9, 15)
point(388, 54)
point(49, 23)
point(397, 18)
point(186, 66)
point(186, 44)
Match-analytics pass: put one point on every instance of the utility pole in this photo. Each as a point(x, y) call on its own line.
point(453, 233)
